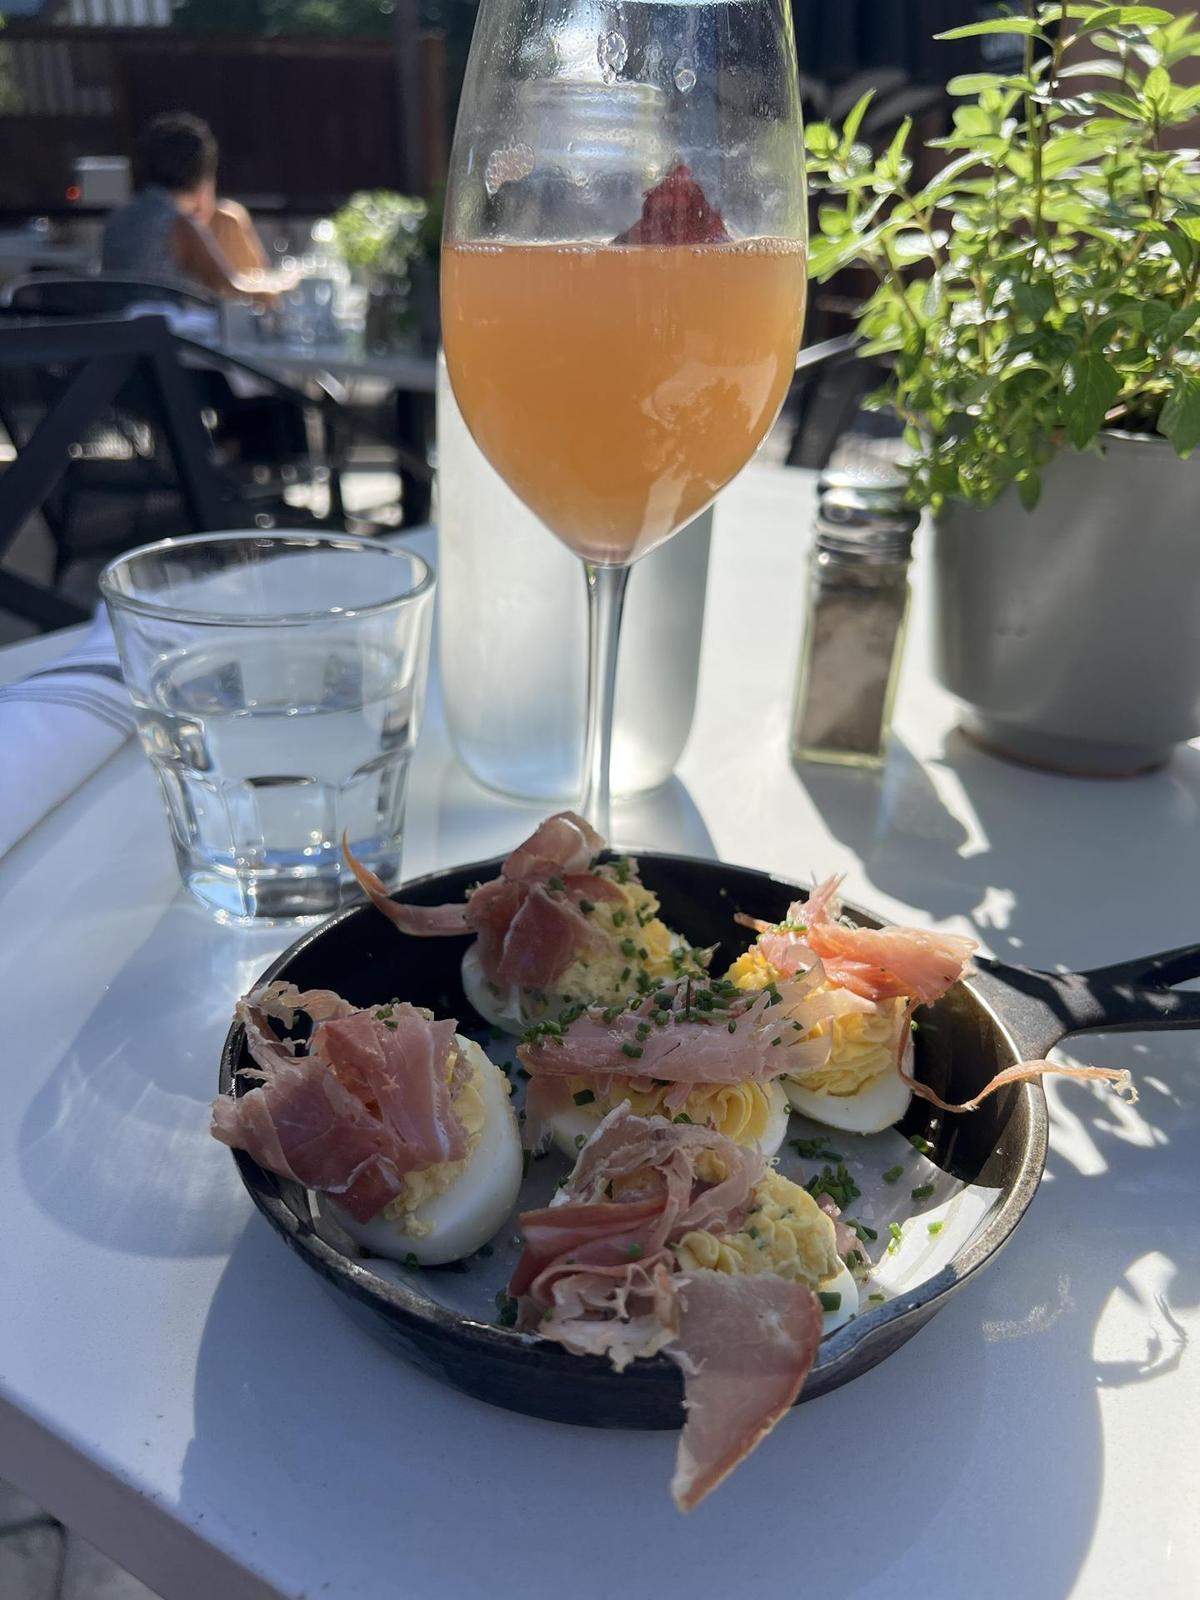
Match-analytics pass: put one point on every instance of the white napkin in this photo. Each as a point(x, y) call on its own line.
point(56, 727)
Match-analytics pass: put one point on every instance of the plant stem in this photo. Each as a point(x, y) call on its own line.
point(1034, 125)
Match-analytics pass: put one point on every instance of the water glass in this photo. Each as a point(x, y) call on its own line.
point(278, 680)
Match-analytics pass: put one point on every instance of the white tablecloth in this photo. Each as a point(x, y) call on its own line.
point(179, 1387)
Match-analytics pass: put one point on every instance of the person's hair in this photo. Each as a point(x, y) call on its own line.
point(177, 151)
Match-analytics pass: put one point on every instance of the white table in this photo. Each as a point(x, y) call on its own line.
point(181, 1389)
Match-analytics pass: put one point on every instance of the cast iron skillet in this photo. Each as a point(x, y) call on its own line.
point(1002, 1015)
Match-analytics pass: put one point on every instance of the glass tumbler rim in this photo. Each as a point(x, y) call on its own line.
point(116, 597)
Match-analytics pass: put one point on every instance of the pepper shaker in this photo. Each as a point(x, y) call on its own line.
point(857, 611)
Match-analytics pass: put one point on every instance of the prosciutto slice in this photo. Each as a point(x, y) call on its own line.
point(302, 1124)
point(745, 1347)
point(748, 1039)
point(528, 921)
point(872, 963)
point(598, 1276)
point(367, 1102)
point(879, 964)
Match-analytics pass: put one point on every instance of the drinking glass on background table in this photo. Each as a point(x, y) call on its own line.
point(621, 315)
point(278, 681)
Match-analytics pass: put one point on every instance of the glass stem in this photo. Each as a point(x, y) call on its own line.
point(606, 600)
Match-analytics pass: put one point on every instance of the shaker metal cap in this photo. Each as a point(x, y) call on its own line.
point(861, 512)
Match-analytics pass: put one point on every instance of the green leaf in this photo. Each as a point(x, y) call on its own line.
point(833, 221)
point(945, 180)
point(1025, 26)
point(1179, 323)
point(970, 83)
point(894, 154)
point(1067, 150)
point(1094, 17)
point(1123, 104)
point(1034, 299)
point(820, 139)
point(1090, 385)
point(1099, 67)
point(1179, 420)
point(854, 119)
point(1157, 87)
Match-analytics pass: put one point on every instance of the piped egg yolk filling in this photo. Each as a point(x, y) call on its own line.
point(418, 1187)
point(741, 1111)
point(864, 1042)
point(785, 1233)
point(635, 944)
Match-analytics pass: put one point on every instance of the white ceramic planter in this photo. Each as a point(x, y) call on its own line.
point(1071, 634)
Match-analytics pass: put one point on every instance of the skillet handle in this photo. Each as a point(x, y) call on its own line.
point(1042, 1008)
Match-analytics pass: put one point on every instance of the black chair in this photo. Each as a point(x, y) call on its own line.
point(273, 438)
point(104, 294)
point(111, 449)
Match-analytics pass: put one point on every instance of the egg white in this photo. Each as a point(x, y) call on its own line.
point(474, 1207)
point(501, 1006)
point(880, 1102)
point(571, 1129)
point(841, 1283)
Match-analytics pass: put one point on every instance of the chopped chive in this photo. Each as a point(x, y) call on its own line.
point(618, 919)
point(388, 1023)
point(411, 1262)
point(628, 949)
point(897, 1233)
point(642, 1031)
point(587, 907)
point(861, 1229)
point(753, 1232)
point(922, 1191)
point(555, 883)
point(622, 869)
point(877, 1298)
point(580, 1140)
point(921, 1145)
point(854, 1258)
point(626, 972)
point(935, 1228)
point(830, 1300)
point(835, 1182)
point(633, 1051)
point(507, 1307)
point(584, 1097)
point(635, 1252)
point(892, 1174)
point(732, 1026)
point(682, 1117)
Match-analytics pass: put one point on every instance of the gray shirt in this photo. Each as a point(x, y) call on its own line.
point(137, 238)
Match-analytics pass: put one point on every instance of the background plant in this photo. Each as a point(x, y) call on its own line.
point(1043, 284)
point(382, 233)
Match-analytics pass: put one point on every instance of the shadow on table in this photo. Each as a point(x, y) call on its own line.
point(1015, 850)
point(992, 1468)
point(124, 1117)
point(472, 823)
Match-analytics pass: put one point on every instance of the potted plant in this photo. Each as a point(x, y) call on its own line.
point(1036, 303)
point(394, 241)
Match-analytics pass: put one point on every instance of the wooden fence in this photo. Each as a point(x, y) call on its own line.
point(301, 121)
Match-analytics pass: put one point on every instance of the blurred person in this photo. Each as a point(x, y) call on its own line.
point(175, 227)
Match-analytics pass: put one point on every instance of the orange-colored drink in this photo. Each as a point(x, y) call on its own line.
point(617, 388)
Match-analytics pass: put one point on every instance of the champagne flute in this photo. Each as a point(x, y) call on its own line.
point(623, 274)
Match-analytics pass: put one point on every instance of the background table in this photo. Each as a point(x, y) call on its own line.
point(176, 1385)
